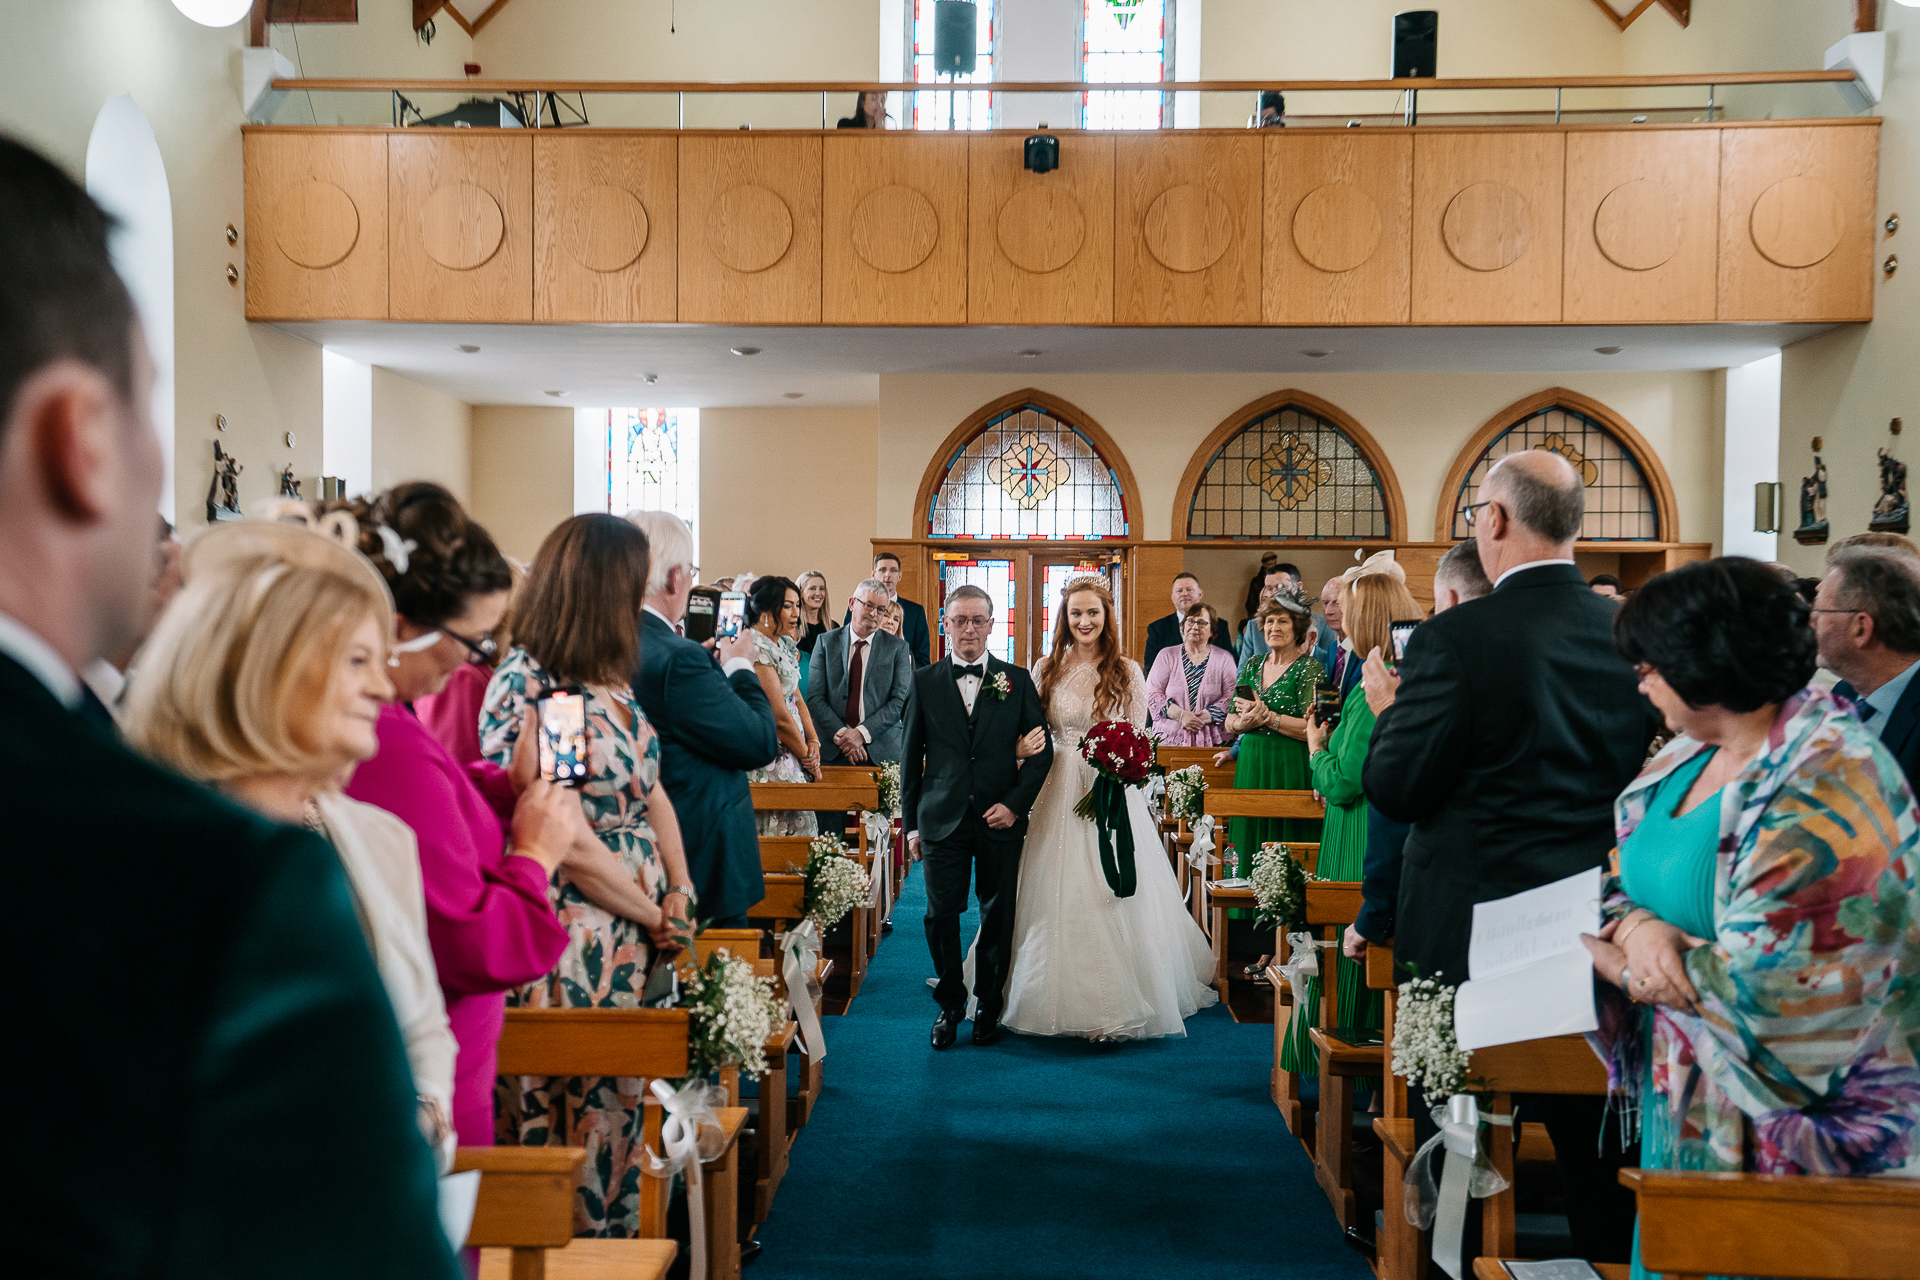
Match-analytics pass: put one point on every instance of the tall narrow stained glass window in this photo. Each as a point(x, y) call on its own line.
point(1126, 41)
point(1620, 502)
point(1289, 473)
point(960, 109)
point(653, 462)
point(1027, 474)
point(996, 578)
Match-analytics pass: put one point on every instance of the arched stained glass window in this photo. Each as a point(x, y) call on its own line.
point(1620, 503)
point(1290, 473)
point(1028, 474)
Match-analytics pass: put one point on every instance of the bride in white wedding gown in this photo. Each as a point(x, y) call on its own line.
point(1086, 963)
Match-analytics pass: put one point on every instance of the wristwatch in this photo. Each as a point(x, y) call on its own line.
point(684, 890)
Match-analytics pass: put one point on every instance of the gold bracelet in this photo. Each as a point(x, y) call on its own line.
point(1636, 918)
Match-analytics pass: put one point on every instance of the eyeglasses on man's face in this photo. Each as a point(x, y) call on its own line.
point(1470, 513)
point(970, 622)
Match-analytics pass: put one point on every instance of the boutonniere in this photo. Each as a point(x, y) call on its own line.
point(999, 686)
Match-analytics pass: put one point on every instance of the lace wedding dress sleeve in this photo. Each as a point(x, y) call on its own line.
point(1136, 695)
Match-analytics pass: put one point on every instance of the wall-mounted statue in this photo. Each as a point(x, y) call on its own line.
point(223, 494)
point(289, 487)
point(1813, 504)
point(1890, 512)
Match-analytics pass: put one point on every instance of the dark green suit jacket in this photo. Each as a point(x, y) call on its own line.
point(205, 1074)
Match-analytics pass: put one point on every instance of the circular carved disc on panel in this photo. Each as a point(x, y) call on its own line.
point(752, 228)
point(1796, 222)
point(1485, 226)
point(605, 228)
point(894, 228)
point(1638, 224)
point(461, 226)
point(1187, 228)
point(1337, 227)
point(315, 224)
point(1041, 229)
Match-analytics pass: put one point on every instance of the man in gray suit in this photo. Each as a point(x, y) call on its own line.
point(858, 684)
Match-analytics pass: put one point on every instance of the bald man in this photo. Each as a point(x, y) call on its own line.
point(1515, 726)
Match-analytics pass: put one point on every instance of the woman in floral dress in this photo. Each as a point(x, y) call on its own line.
point(578, 630)
point(774, 606)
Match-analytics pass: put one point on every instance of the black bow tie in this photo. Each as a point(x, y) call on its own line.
point(978, 671)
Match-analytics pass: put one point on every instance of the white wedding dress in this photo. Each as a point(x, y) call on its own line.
point(1086, 963)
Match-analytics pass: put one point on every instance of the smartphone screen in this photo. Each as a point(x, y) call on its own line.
point(732, 616)
point(1326, 703)
point(563, 738)
point(702, 604)
point(1402, 631)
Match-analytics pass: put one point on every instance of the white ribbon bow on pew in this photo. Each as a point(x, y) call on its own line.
point(690, 1133)
point(799, 963)
point(1156, 789)
point(879, 829)
point(1466, 1174)
point(1303, 961)
point(1200, 852)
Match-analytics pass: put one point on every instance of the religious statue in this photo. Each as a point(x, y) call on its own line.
point(1890, 512)
point(1813, 506)
point(289, 487)
point(223, 494)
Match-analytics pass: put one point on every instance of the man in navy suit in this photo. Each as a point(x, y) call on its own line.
point(913, 618)
point(1867, 617)
point(714, 723)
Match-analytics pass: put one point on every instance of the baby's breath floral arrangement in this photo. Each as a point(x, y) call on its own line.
point(1185, 787)
point(1425, 1049)
point(733, 1013)
point(890, 788)
point(836, 883)
point(1279, 886)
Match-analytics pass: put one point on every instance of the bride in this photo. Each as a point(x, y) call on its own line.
point(1086, 963)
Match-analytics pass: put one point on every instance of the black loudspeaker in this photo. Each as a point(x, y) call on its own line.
point(1416, 44)
point(1043, 153)
point(955, 23)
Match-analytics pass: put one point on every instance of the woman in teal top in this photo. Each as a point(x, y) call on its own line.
point(1273, 726)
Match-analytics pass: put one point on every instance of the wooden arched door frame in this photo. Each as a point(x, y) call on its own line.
point(1665, 510)
point(1246, 415)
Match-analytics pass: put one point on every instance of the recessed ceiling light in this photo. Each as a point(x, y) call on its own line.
point(746, 351)
point(793, 395)
point(467, 347)
point(1608, 351)
point(1031, 354)
point(556, 393)
point(651, 378)
point(1315, 354)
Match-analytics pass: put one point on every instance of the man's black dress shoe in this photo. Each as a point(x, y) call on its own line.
point(946, 1028)
point(749, 1250)
point(986, 1028)
point(1361, 1242)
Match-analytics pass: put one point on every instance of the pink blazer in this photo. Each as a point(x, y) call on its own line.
point(453, 714)
point(1167, 683)
point(488, 918)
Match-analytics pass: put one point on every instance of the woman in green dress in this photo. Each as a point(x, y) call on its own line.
point(1273, 726)
point(1371, 600)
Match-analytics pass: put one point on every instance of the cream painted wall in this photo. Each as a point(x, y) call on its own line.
point(420, 435)
point(522, 469)
point(788, 490)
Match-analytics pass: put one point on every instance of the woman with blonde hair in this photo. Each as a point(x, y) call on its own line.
point(1086, 962)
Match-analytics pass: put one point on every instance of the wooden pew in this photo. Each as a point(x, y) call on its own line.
point(1220, 901)
point(1698, 1224)
point(1226, 803)
point(853, 788)
point(862, 776)
point(1327, 901)
point(648, 1043)
point(523, 1221)
point(1330, 909)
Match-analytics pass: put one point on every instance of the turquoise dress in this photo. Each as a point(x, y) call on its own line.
point(1668, 866)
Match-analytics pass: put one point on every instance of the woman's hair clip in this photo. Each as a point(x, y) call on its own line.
point(394, 549)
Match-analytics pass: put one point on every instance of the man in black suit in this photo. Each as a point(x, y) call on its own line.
point(1164, 633)
point(965, 799)
point(913, 619)
point(248, 1087)
point(1515, 726)
point(1867, 617)
point(714, 723)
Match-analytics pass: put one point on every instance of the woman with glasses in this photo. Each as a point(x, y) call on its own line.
point(453, 714)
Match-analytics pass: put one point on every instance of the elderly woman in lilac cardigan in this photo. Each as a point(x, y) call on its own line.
point(1191, 686)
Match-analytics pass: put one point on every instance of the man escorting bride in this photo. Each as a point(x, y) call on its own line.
point(1084, 963)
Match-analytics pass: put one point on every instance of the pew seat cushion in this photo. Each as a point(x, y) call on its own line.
point(592, 1260)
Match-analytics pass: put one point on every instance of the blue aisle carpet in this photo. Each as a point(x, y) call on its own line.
point(1041, 1158)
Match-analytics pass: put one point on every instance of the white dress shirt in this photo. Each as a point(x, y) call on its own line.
point(1522, 568)
point(42, 661)
point(860, 694)
point(969, 686)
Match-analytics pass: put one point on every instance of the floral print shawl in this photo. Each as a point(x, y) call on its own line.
point(1802, 1059)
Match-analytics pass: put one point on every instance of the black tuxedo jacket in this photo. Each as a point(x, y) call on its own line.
point(956, 764)
point(1901, 736)
point(1164, 633)
point(196, 980)
point(1514, 730)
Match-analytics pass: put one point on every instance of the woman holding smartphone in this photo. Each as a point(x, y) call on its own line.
point(1272, 724)
point(578, 632)
point(774, 605)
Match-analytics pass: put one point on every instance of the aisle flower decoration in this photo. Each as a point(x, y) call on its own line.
point(836, 882)
point(1121, 754)
point(1279, 887)
point(1185, 791)
point(890, 788)
point(732, 1013)
point(1425, 1049)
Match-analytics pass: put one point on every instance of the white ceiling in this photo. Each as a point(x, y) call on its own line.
point(695, 367)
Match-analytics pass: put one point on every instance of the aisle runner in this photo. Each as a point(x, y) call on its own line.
point(1042, 1159)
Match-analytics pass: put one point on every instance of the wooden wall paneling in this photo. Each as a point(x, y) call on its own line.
point(460, 222)
point(1642, 230)
point(1797, 222)
point(316, 225)
point(605, 228)
point(1338, 218)
point(1154, 567)
point(1187, 230)
point(895, 229)
point(749, 230)
point(1487, 215)
point(1040, 245)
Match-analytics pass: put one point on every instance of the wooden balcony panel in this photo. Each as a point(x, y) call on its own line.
point(460, 227)
point(895, 229)
point(1797, 223)
point(749, 230)
point(1642, 230)
point(1339, 219)
point(1487, 214)
point(316, 226)
point(1187, 215)
point(605, 228)
point(1040, 245)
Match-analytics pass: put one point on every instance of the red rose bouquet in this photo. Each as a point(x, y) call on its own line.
point(1122, 756)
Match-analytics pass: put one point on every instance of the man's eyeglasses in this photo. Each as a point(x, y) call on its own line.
point(481, 650)
point(1471, 512)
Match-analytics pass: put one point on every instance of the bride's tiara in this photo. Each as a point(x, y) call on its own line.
point(1083, 580)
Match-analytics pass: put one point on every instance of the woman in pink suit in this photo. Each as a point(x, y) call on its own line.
point(489, 920)
point(1190, 687)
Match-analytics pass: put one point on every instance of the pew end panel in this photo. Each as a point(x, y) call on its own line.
point(1795, 1228)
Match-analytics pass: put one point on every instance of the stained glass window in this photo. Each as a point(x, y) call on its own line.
point(1027, 474)
point(653, 462)
point(1619, 500)
point(1126, 40)
point(956, 110)
point(996, 578)
point(1289, 474)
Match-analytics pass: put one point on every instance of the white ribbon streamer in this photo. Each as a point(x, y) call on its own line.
point(690, 1133)
point(1465, 1174)
point(879, 829)
point(1156, 789)
point(799, 963)
point(1303, 961)
point(1200, 852)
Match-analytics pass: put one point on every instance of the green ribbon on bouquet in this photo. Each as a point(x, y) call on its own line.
point(1106, 807)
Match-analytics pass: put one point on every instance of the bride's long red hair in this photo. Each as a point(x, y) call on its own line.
point(1110, 695)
